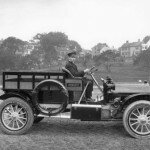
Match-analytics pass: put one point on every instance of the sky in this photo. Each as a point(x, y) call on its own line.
point(86, 21)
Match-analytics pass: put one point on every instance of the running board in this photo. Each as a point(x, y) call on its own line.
point(66, 115)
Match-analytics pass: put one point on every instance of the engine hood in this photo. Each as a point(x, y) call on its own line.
point(132, 88)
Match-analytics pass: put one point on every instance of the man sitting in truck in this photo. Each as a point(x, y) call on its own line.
point(70, 65)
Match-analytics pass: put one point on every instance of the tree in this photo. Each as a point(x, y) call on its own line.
point(6, 60)
point(13, 45)
point(146, 39)
point(28, 62)
point(47, 44)
point(73, 45)
point(85, 60)
point(143, 59)
point(107, 59)
point(9, 51)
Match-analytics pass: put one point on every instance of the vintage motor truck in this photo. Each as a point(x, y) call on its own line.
point(30, 96)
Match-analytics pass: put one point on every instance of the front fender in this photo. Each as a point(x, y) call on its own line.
point(135, 97)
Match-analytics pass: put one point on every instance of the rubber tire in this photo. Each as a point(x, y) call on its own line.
point(38, 119)
point(26, 106)
point(126, 116)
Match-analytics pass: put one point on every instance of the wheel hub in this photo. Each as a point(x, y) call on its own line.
point(143, 119)
point(15, 115)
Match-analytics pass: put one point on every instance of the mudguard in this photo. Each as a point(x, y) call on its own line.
point(11, 94)
point(134, 97)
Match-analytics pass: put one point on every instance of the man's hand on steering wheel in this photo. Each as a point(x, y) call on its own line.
point(89, 71)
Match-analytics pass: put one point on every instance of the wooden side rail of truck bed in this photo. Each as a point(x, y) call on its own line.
point(28, 80)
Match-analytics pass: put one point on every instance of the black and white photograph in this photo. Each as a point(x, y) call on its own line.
point(74, 74)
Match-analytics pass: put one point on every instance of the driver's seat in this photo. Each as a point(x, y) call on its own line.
point(67, 73)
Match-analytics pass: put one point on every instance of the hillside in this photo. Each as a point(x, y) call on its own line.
point(125, 74)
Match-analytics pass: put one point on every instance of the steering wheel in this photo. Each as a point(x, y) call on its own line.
point(93, 69)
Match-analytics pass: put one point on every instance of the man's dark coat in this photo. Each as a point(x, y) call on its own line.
point(74, 70)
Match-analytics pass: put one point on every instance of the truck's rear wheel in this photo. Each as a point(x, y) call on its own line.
point(136, 119)
point(16, 116)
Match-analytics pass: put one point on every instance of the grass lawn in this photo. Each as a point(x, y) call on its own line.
point(126, 74)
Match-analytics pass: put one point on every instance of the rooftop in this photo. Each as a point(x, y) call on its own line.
point(133, 44)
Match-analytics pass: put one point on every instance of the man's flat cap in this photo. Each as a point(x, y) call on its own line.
point(71, 53)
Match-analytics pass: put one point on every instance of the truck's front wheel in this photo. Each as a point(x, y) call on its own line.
point(136, 119)
point(16, 116)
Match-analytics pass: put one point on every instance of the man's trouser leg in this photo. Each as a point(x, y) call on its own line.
point(88, 93)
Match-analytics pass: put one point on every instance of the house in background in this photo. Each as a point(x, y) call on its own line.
point(99, 48)
point(146, 45)
point(129, 50)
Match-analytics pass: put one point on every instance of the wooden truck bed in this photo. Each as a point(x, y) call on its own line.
point(28, 80)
